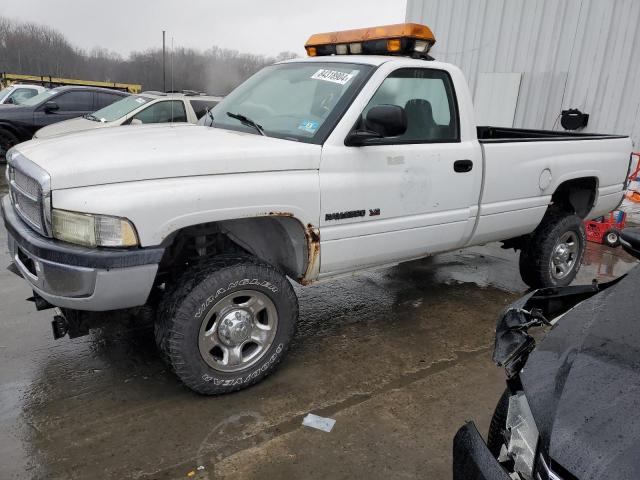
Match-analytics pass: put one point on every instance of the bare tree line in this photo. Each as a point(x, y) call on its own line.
point(30, 48)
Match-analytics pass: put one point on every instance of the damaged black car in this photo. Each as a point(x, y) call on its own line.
point(570, 409)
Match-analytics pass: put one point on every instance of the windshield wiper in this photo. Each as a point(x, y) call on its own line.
point(92, 117)
point(210, 115)
point(247, 121)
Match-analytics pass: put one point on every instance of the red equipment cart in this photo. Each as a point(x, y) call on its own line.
point(606, 230)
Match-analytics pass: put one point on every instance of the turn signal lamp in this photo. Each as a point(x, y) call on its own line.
point(409, 39)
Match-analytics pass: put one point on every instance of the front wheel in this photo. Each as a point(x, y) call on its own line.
point(553, 254)
point(226, 325)
point(7, 140)
point(498, 427)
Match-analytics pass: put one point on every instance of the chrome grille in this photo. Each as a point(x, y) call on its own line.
point(543, 472)
point(28, 194)
point(27, 184)
point(30, 210)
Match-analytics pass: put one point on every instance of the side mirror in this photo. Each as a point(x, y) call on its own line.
point(381, 121)
point(387, 120)
point(135, 121)
point(358, 138)
point(51, 107)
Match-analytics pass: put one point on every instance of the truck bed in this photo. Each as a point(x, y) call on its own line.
point(520, 178)
point(488, 134)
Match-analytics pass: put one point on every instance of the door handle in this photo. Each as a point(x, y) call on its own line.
point(462, 166)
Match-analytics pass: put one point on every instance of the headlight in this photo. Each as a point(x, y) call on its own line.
point(524, 435)
point(93, 230)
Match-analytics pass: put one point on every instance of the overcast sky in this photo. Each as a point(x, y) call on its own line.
point(254, 26)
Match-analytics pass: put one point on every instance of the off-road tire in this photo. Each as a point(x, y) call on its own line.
point(495, 438)
point(7, 140)
point(535, 257)
point(608, 238)
point(186, 303)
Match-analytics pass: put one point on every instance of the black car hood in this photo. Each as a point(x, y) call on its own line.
point(583, 385)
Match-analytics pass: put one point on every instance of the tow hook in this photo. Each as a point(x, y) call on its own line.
point(59, 325)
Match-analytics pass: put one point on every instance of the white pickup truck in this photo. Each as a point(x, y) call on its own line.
point(312, 168)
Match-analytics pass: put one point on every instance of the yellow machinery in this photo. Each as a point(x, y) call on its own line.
point(48, 81)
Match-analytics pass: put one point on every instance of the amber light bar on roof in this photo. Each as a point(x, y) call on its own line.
point(399, 39)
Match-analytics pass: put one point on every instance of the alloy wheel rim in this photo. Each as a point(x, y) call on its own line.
point(564, 255)
point(238, 330)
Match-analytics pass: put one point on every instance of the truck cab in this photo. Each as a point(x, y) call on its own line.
point(363, 155)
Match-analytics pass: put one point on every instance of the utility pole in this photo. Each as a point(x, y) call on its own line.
point(164, 75)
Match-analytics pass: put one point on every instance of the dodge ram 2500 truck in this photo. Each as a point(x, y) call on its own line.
point(312, 168)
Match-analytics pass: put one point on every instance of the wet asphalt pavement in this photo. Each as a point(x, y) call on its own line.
point(399, 357)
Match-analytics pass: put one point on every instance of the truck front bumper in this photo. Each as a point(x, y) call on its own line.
point(472, 459)
point(80, 278)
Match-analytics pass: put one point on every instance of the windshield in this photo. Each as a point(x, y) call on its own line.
point(119, 109)
point(38, 99)
point(295, 101)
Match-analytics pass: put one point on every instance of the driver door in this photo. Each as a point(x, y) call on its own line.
point(404, 197)
point(71, 104)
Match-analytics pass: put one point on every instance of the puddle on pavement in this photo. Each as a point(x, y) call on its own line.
point(105, 406)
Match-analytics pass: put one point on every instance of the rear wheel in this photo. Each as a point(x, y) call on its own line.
point(7, 140)
point(611, 238)
point(226, 325)
point(553, 253)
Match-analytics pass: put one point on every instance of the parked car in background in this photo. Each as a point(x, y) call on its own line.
point(19, 122)
point(17, 93)
point(147, 107)
point(570, 407)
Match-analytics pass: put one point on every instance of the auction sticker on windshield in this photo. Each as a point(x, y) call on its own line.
point(332, 76)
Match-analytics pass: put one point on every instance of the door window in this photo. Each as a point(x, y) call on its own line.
point(21, 94)
point(428, 100)
point(163, 112)
point(78, 101)
point(105, 99)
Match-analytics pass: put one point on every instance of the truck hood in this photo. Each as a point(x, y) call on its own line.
point(130, 153)
point(583, 385)
point(70, 126)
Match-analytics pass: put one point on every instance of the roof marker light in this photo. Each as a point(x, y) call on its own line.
point(394, 45)
point(355, 48)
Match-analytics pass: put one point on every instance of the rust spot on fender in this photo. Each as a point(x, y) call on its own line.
point(313, 260)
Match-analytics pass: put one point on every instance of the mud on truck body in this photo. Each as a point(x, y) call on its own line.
point(363, 155)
